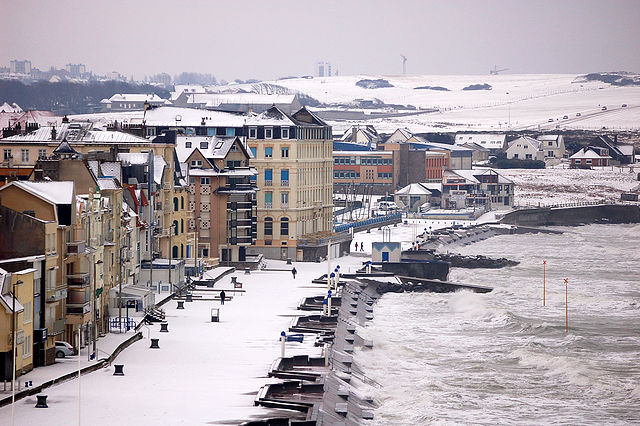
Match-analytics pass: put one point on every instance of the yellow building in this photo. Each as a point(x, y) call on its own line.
point(16, 318)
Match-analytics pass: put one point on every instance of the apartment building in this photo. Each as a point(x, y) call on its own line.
point(293, 157)
point(371, 169)
point(222, 195)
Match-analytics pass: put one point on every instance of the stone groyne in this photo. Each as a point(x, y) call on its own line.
point(572, 216)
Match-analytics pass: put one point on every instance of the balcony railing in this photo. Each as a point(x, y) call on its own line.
point(268, 205)
point(78, 308)
point(285, 206)
point(284, 183)
point(53, 295)
point(78, 280)
point(268, 182)
point(75, 247)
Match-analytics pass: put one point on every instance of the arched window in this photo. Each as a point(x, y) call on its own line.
point(175, 204)
point(182, 225)
point(182, 202)
point(175, 251)
point(175, 227)
point(268, 226)
point(284, 226)
point(182, 250)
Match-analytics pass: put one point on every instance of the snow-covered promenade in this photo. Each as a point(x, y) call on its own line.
point(204, 372)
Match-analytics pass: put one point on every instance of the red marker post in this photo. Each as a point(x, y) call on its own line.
point(566, 305)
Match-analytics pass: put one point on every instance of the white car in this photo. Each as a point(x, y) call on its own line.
point(387, 206)
point(63, 349)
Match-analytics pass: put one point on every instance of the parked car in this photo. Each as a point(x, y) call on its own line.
point(550, 120)
point(387, 206)
point(565, 117)
point(604, 108)
point(578, 115)
point(63, 349)
point(624, 105)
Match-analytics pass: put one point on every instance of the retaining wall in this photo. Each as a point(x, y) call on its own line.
point(605, 213)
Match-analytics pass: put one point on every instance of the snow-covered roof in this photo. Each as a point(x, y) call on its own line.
point(107, 183)
point(136, 97)
point(129, 158)
point(271, 117)
point(547, 138)
point(75, 132)
point(158, 168)
point(51, 191)
point(420, 189)
point(482, 172)
point(528, 141)
point(215, 147)
point(468, 175)
point(214, 100)
point(5, 107)
point(587, 153)
point(626, 149)
point(486, 140)
point(243, 171)
point(360, 153)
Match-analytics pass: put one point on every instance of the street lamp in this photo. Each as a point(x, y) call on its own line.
point(94, 329)
point(171, 230)
point(13, 350)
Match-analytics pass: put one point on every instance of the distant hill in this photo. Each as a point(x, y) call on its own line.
point(66, 97)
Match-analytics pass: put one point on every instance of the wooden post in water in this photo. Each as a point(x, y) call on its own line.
point(566, 305)
point(544, 282)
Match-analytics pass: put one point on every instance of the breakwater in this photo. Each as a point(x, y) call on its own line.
point(572, 216)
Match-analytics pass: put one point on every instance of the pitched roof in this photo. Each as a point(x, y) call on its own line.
point(487, 140)
point(53, 192)
point(587, 153)
point(536, 144)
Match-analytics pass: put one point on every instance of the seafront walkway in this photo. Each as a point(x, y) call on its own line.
point(203, 371)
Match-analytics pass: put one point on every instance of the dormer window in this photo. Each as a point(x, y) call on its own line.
point(285, 132)
point(268, 132)
point(187, 144)
point(204, 145)
point(253, 132)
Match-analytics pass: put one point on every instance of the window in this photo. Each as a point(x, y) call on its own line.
point(42, 153)
point(187, 145)
point(219, 145)
point(284, 199)
point(550, 154)
point(529, 156)
point(268, 199)
point(284, 177)
point(284, 133)
point(175, 204)
point(192, 180)
point(182, 202)
point(268, 176)
point(285, 152)
point(588, 161)
point(268, 132)
point(26, 347)
point(211, 131)
point(182, 226)
point(253, 132)
point(6, 154)
point(28, 312)
point(515, 156)
point(268, 152)
point(254, 151)
point(175, 227)
point(284, 226)
point(25, 155)
point(151, 131)
point(232, 164)
point(231, 131)
point(268, 226)
point(550, 143)
point(204, 145)
point(234, 147)
point(204, 181)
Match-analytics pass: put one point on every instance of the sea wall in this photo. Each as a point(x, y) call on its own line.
point(570, 216)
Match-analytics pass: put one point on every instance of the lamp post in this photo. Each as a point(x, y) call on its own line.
point(94, 329)
point(13, 350)
point(171, 230)
point(197, 270)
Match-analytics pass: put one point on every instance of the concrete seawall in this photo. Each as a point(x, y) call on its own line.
point(570, 216)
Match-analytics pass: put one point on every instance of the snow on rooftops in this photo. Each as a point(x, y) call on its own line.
point(130, 158)
point(5, 107)
point(75, 132)
point(216, 147)
point(214, 100)
point(587, 152)
point(359, 153)
point(54, 192)
point(107, 183)
point(526, 140)
point(487, 140)
point(136, 97)
point(420, 189)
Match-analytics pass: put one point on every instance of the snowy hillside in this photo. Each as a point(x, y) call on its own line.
point(524, 101)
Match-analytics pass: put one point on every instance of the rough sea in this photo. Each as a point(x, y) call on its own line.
point(503, 357)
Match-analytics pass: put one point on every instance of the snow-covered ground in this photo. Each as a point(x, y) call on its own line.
point(204, 372)
point(523, 100)
point(560, 185)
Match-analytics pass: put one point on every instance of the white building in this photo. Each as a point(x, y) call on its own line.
point(132, 101)
point(552, 146)
point(494, 142)
point(525, 148)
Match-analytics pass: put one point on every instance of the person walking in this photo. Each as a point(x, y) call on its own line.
point(294, 272)
point(361, 246)
point(356, 246)
point(222, 297)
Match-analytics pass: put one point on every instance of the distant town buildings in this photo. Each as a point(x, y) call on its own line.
point(20, 67)
point(323, 69)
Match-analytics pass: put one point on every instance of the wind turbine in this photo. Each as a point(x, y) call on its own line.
point(404, 63)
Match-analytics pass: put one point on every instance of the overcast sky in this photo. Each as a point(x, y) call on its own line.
point(269, 39)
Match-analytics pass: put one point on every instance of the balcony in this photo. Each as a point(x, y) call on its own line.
point(268, 182)
point(268, 205)
point(78, 280)
point(240, 205)
point(285, 206)
point(284, 183)
point(55, 294)
point(78, 308)
point(58, 327)
point(75, 247)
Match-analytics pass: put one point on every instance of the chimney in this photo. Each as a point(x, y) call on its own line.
point(615, 139)
point(65, 119)
point(38, 174)
point(53, 133)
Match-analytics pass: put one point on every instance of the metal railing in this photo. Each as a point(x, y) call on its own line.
point(368, 222)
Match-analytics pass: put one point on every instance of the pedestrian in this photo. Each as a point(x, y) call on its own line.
point(222, 297)
point(294, 272)
point(361, 246)
point(356, 246)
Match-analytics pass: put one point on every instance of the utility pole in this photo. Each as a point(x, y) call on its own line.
point(120, 290)
point(93, 308)
point(170, 256)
